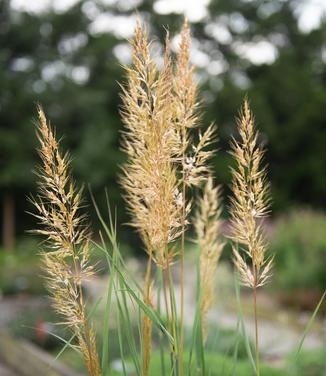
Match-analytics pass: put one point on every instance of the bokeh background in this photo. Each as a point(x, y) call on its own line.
point(67, 55)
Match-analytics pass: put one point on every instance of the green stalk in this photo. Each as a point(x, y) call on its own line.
point(242, 325)
point(174, 353)
point(182, 251)
point(196, 342)
point(159, 289)
point(256, 323)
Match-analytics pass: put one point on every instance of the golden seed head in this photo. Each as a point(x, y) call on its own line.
point(208, 230)
point(67, 262)
point(249, 203)
point(151, 143)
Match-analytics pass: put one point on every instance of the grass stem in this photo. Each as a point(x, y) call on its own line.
point(147, 322)
point(173, 313)
point(182, 272)
point(256, 324)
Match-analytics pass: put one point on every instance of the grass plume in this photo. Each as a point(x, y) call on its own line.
point(151, 143)
point(67, 262)
point(208, 230)
point(249, 205)
point(150, 177)
point(193, 158)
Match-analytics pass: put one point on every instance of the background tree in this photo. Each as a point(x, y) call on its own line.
point(69, 60)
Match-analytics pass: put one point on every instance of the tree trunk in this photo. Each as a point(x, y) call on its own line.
point(8, 222)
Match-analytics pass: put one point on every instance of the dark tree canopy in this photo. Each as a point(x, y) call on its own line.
point(57, 59)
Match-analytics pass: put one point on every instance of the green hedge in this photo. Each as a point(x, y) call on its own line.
point(299, 245)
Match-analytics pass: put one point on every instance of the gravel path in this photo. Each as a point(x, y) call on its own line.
point(4, 371)
point(12, 307)
point(279, 330)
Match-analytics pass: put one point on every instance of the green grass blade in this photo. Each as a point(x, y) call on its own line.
point(309, 325)
point(151, 313)
point(236, 350)
point(127, 325)
point(161, 338)
point(140, 332)
point(105, 346)
point(242, 325)
point(111, 234)
point(121, 344)
point(67, 342)
point(200, 353)
point(196, 342)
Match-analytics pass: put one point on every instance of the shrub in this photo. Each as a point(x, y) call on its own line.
point(299, 244)
point(220, 364)
point(20, 270)
point(311, 363)
point(37, 325)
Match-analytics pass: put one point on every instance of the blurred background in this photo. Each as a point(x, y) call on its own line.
point(68, 54)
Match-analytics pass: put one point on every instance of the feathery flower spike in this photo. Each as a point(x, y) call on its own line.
point(208, 229)
point(249, 204)
point(67, 262)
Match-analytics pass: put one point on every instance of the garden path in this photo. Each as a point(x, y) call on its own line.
point(280, 330)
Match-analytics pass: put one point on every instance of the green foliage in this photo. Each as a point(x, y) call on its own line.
point(291, 119)
point(299, 245)
point(36, 325)
point(225, 341)
point(310, 363)
point(20, 270)
point(37, 66)
point(71, 358)
point(219, 364)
